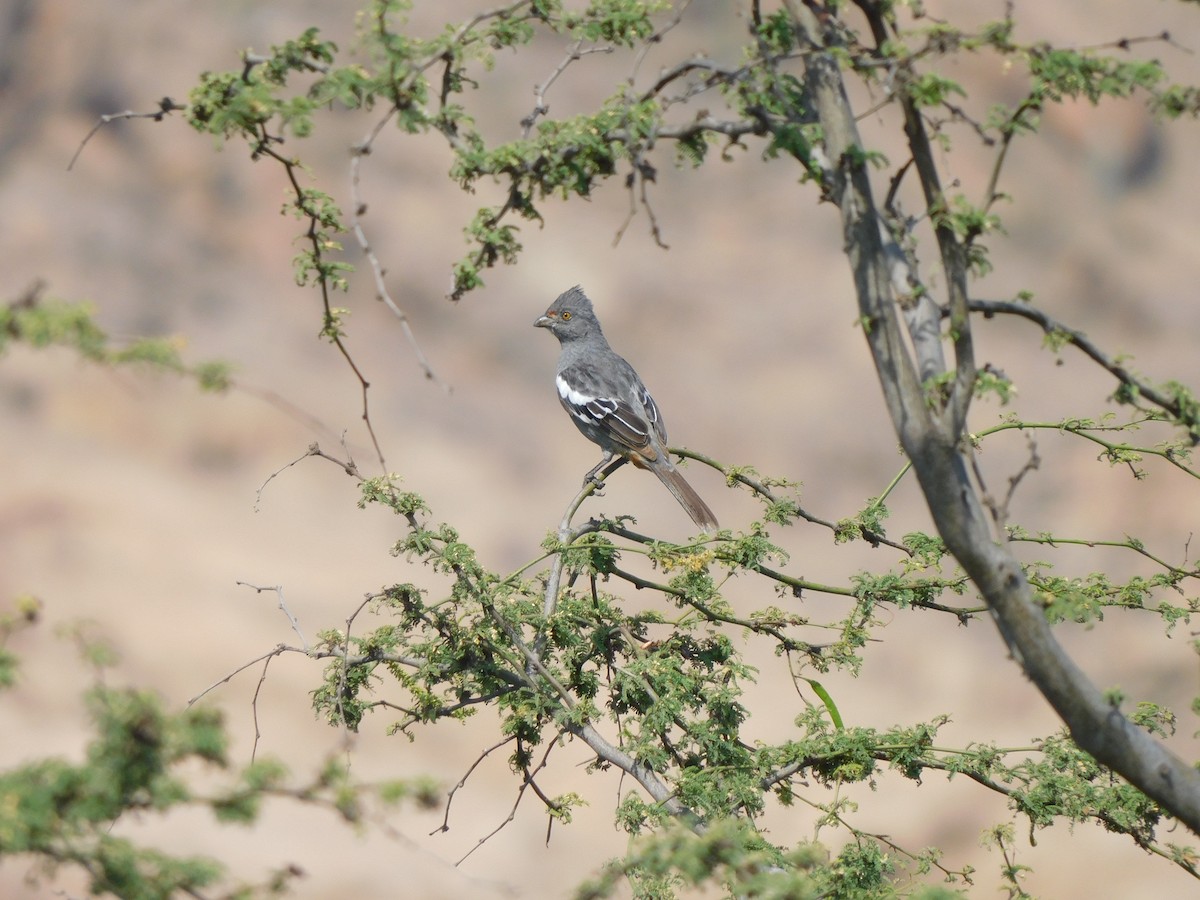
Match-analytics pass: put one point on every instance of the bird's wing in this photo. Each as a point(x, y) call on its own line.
point(653, 416)
point(595, 404)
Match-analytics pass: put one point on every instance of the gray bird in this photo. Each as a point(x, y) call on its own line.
point(608, 402)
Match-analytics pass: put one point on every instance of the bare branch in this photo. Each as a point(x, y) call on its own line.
point(358, 211)
point(279, 649)
point(262, 679)
point(445, 826)
point(527, 782)
point(717, 74)
point(166, 106)
point(576, 52)
point(1010, 130)
point(640, 175)
point(278, 589)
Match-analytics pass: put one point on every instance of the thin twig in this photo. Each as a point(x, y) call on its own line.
point(527, 782)
point(1007, 133)
point(378, 272)
point(165, 106)
point(318, 249)
point(279, 649)
point(445, 826)
point(871, 537)
point(278, 589)
point(657, 38)
point(1078, 339)
point(262, 679)
point(574, 53)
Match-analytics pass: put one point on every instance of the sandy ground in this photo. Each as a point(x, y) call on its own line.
point(131, 502)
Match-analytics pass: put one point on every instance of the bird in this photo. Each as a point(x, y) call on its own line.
point(608, 402)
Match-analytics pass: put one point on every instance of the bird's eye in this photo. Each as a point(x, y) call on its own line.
point(566, 316)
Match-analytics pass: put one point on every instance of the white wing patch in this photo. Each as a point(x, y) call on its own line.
point(570, 395)
point(618, 419)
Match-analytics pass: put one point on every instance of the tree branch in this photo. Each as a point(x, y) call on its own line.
point(1055, 329)
point(1095, 724)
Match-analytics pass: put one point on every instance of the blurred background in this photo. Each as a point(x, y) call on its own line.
point(133, 503)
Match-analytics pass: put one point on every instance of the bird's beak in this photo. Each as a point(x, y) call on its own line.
point(543, 322)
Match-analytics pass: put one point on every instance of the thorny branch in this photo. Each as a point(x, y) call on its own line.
point(1139, 388)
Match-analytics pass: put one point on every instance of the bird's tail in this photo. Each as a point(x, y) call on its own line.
point(688, 498)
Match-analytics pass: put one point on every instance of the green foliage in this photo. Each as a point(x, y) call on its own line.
point(1084, 600)
point(25, 613)
point(728, 852)
point(63, 813)
point(968, 222)
point(932, 89)
point(47, 322)
point(1067, 783)
point(227, 104)
point(141, 760)
point(624, 22)
point(1177, 101)
point(1059, 73)
point(868, 522)
point(570, 157)
point(561, 654)
point(673, 699)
